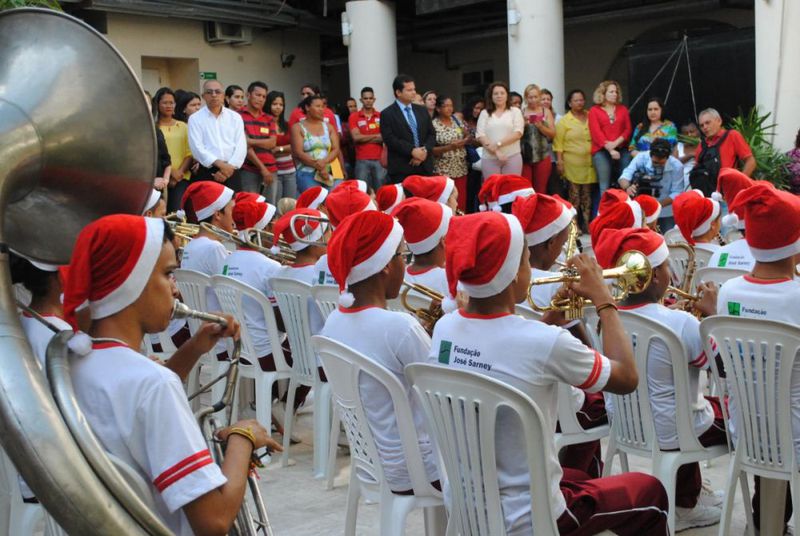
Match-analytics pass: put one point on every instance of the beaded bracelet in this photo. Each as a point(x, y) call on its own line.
point(600, 308)
point(244, 432)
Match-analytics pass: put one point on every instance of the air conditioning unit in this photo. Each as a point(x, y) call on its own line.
point(223, 33)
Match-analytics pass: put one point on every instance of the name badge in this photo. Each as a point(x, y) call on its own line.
point(264, 130)
point(362, 123)
point(373, 126)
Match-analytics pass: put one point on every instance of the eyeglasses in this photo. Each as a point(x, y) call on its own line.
point(213, 92)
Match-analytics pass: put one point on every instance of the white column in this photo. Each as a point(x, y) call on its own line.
point(372, 54)
point(536, 46)
point(778, 66)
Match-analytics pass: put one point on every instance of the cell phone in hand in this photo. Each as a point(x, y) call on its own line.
point(535, 118)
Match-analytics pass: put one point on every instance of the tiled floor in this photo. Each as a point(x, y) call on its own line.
point(299, 505)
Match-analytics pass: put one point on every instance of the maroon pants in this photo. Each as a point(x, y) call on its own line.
point(689, 481)
point(586, 457)
point(629, 504)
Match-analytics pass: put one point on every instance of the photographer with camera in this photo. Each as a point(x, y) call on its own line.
point(656, 173)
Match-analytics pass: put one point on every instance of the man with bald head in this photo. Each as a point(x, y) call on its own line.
point(217, 139)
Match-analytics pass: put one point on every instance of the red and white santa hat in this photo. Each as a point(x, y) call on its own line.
point(344, 201)
point(483, 253)
point(509, 187)
point(248, 196)
point(203, 199)
point(361, 247)
point(424, 223)
point(486, 194)
point(729, 183)
point(617, 215)
point(650, 206)
point(358, 184)
point(614, 242)
point(312, 198)
point(541, 216)
point(152, 201)
point(437, 188)
point(252, 215)
point(773, 221)
point(310, 230)
point(111, 263)
point(614, 196)
point(389, 196)
point(694, 213)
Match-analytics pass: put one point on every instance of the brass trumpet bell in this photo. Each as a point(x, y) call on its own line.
point(307, 228)
point(426, 316)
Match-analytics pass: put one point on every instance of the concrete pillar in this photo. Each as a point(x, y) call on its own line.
point(536, 46)
point(372, 52)
point(778, 66)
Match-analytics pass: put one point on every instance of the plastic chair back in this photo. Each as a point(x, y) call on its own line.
point(678, 262)
point(716, 275)
point(343, 366)
point(674, 236)
point(591, 322)
point(701, 258)
point(759, 359)
point(293, 297)
point(194, 287)
point(327, 298)
point(461, 409)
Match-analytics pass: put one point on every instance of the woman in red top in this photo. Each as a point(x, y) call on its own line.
point(287, 182)
point(610, 128)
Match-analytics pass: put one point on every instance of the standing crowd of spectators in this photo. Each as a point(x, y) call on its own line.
point(242, 138)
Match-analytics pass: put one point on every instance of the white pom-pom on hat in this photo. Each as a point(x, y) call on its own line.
point(730, 220)
point(80, 343)
point(449, 304)
point(346, 299)
point(275, 250)
point(716, 196)
point(181, 214)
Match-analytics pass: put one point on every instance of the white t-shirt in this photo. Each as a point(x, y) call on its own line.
point(734, 255)
point(254, 269)
point(139, 412)
point(38, 334)
point(713, 247)
point(392, 340)
point(434, 278)
point(660, 380)
point(207, 256)
point(534, 358)
point(305, 273)
point(323, 273)
point(748, 297)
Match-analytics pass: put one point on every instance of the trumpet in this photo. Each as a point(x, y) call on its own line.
point(427, 317)
point(572, 246)
point(233, 238)
point(632, 275)
point(307, 229)
point(691, 298)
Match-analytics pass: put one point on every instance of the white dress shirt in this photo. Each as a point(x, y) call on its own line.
point(219, 137)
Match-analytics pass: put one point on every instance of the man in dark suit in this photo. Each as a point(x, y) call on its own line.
point(408, 133)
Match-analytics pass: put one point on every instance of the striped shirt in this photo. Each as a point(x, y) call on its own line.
point(284, 160)
point(259, 127)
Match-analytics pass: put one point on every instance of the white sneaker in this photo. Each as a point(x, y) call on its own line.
point(700, 516)
point(709, 496)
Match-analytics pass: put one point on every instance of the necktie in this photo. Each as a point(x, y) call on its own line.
point(412, 122)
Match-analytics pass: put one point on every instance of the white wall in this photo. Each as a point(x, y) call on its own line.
point(137, 36)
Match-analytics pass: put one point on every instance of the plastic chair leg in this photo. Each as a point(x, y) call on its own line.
point(623, 462)
point(394, 511)
point(353, 494)
point(322, 431)
point(264, 400)
point(435, 521)
point(288, 421)
point(330, 470)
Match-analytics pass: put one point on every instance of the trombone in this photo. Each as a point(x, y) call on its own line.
point(427, 317)
point(632, 275)
point(225, 236)
point(255, 238)
point(307, 229)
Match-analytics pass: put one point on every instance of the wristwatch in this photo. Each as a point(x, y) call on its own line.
point(280, 149)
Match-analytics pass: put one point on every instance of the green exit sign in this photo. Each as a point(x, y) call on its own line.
point(208, 75)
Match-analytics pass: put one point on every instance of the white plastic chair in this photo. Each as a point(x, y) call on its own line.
point(23, 518)
point(716, 275)
point(632, 427)
point(674, 236)
point(572, 433)
point(678, 261)
point(167, 346)
point(461, 411)
point(591, 321)
point(701, 258)
point(293, 299)
point(526, 312)
point(231, 294)
point(344, 366)
point(759, 359)
point(327, 298)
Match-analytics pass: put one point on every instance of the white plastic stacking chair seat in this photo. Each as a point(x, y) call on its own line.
point(716, 275)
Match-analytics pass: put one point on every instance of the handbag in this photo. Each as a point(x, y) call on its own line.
point(472, 151)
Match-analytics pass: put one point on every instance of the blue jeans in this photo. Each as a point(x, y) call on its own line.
point(371, 172)
point(305, 180)
point(251, 181)
point(284, 186)
point(606, 169)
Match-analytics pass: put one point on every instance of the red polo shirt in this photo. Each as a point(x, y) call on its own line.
point(298, 114)
point(259, 128)
point(367, 126)
point(733, 148)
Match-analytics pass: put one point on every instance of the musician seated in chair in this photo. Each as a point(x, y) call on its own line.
point(500, 192)
point(440, 189)
point(698, 218)
point(486, 254)
point(156, 206)
point(122, 267)
point(366, 256)
point(697, 505)
point(424, 225)
point(207, 202)
point(546, 222)
point(735, 254)
point(313, 197)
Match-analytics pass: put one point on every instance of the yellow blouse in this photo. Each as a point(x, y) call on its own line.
point(574, 143)
point(177, 138)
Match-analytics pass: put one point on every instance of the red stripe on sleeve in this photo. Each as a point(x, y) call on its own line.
point(195, 461)
point(700, 361)
point(595, 374)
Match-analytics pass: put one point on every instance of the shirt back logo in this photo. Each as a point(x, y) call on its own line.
point(321, 279)
point(444, 352)
point(723, 260)
point(734, 309)
point(225, 270)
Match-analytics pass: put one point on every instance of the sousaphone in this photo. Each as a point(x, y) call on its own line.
point(76, 143)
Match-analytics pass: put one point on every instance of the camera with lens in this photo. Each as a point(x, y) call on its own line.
point(646, 183)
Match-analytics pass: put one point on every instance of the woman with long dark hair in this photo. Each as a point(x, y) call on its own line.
point(234, 97)
point(449, 155)
point(188, 103)
point(652, 127)
point(176, 136)
point(315, 144)
point(287, 181)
